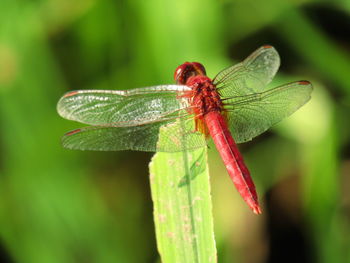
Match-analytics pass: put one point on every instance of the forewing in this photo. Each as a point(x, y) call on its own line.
point(176, 136)
point(251, 115)
point(251, 75)
point(123, 107)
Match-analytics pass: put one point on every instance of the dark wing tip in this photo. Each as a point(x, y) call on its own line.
point(307, 84)
point(267, 46)
point(304, 82)
point(71, 93)
point(72, 132)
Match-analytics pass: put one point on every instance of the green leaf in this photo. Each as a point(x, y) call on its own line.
point(182, 206)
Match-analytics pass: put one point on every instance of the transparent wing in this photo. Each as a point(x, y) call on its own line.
point(250, 76)
point(176, 136)
point(123, 107)
point(251, 115)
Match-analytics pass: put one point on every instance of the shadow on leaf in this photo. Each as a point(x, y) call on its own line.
point(197, 168)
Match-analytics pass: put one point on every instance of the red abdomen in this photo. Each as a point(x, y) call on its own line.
point(232, 159)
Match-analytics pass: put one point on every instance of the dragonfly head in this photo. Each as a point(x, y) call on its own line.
point(187, 70)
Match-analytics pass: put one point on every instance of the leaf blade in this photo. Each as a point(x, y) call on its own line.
point(182, 212)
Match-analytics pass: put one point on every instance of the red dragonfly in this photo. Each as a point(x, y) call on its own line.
point(234, 107)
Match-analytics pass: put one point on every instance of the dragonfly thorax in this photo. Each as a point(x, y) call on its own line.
point(203, 98)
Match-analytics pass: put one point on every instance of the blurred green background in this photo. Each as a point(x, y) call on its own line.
point(60, 206)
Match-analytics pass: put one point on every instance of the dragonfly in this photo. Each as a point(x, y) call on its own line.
point(233, 107)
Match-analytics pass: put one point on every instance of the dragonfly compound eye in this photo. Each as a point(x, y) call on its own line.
point(187, 70)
